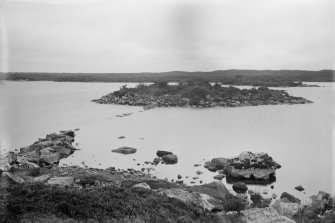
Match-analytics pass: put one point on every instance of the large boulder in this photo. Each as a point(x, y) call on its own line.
point(203, 200)
point(248, 167)
point(170, 159)
point(286, 209)
point(14, 177)
point(161, 153)
point(214, 189)
point(263, 215)
point(125, 150)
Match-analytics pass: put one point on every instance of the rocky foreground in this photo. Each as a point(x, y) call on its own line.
point(35, 189)
point(197, 94)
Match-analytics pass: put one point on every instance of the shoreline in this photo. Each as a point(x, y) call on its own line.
point(72, 180)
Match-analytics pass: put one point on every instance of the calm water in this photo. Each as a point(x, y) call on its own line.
point(299, 137)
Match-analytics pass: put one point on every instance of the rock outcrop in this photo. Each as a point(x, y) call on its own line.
point(125, 150)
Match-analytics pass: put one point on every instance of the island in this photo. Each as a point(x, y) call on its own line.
point(197, 94)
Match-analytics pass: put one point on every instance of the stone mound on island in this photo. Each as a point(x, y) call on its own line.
point(247, 167)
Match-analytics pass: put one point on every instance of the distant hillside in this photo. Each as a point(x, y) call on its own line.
point(239, 77)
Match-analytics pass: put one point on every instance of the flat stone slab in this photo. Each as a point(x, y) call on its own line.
point(62, 181)
point(125, 150)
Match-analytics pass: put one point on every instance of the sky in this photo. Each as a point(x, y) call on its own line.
point(165, 35)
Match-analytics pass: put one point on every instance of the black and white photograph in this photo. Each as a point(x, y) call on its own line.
point(167, 111)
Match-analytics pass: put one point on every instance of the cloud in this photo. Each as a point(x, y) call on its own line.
point(135, 36)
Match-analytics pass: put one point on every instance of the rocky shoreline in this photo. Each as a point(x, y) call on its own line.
point(37, 164)
point(197, 94)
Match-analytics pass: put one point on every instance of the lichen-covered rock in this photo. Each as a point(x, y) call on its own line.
point(263, 215)
point(203, 200)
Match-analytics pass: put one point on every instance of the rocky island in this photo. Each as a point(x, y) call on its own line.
point(197, 94)
point(34, 188)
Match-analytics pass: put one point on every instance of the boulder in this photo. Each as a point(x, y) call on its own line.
point(161, 153)
point(42, 178)
point(286, 209)
point(214, 189)
point(240, 187)
point(217, 164)
point(203, 200)
point(219, 177)
point(290, 198)
point(125, 150)
point(170, 159)
point(142, 185)
point(14, 177)
point(61, 181)
point(263, 215)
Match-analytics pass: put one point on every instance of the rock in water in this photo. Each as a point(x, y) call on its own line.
point(240, 187)
point(125, 150)
point(248, 166)
point(161, 153)
point(299, 188)
point(170, 159)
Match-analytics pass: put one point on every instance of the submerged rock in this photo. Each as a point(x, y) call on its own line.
point(125, 150)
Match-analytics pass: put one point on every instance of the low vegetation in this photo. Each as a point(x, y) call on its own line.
point(33, 203)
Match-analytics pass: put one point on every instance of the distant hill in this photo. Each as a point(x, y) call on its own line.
point(239, 77)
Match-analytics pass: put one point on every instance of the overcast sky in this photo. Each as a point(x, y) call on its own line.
point(165, 35)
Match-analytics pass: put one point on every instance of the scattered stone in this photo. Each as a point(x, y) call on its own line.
point(274, 196)
point(196, 165)
point(125, 150)
point(179, 176)
point(198, 172)
point(299, 188)
point(121, 137)
point(156, 160)
point(195, 178)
